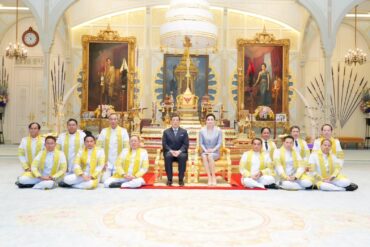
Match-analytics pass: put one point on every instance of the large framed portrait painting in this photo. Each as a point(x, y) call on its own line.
point(263, 73)
point(108, 65)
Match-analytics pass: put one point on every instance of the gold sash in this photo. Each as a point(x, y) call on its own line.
point(29, 148)
point(136, 162)
point(93, 159)
point(55, 161)
point(283, 161)
point(324, 173)
point(249, 161)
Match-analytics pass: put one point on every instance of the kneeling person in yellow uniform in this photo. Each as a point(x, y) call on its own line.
point(290, 167)
point(327, 169)
point(88, 164)
point(131, 165)
point(255, 167)
point(29, 147)
point(336, 149)
point(70, 143)
point(48, 167)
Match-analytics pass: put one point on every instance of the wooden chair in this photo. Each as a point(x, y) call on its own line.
point(223, 164)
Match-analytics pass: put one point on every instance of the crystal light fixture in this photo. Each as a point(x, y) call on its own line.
point(355, 56)
point(193, 20)
point(16, 50)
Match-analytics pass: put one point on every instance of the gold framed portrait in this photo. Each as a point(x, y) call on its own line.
point(263, 69)
point(108, 71)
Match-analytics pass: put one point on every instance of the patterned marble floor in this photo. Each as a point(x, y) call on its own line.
point(177, 218)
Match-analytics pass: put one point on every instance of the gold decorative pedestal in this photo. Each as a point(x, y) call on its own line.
point(187, 107)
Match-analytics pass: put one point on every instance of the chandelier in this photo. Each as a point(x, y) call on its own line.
point(191, 19)
point(355, 56)
point(16, 50)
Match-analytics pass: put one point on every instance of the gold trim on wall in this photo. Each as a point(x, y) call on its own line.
point(108, 36)
point(263, 39)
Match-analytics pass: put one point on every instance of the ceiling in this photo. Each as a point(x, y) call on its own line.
point(7, 17)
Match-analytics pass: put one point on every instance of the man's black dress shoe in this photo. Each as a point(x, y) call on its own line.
point(64, 185)
point(24, 186)
point(272, 186)
point(169, 183)
point(115, 185)
point(351, 187)
point(181, 183)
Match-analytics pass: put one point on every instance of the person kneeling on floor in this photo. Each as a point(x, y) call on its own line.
point(48, 167)
point(131, 165)
point(255, 167)
point(88, 164)
point(291, 168)
point(327, 168)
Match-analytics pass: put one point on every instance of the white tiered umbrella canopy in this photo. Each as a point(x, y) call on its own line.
point(190, 18)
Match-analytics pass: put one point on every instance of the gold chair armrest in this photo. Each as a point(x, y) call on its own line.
point(227, 152)
point(158, 156)
point(228, 161)
point(196, 155)
point(156, 163)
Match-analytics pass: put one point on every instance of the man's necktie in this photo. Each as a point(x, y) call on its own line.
point(266, 146)
point(296, 143)
point(175, 131)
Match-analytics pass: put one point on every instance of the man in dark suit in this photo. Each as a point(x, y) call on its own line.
point(175, 143)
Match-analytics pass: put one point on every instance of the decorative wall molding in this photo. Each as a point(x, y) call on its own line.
point(36, 61)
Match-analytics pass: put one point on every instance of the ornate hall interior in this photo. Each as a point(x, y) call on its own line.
point(251, 64)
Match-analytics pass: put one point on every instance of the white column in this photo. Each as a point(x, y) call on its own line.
point(46, 48)
point(328, 50)
point(147, 63)
point(48, 116)
point(328, 87)
point(225, 68)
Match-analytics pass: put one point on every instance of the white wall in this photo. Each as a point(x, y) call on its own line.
point(28, 92)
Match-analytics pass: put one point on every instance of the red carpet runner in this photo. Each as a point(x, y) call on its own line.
point(235, 185)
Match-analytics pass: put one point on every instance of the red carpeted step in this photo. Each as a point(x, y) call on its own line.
point(149, 178)
point(235, 184)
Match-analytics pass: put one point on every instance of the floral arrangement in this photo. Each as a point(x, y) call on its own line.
point(107, 110)
point(365, 102)
point(3, 94)
point(264, 113)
